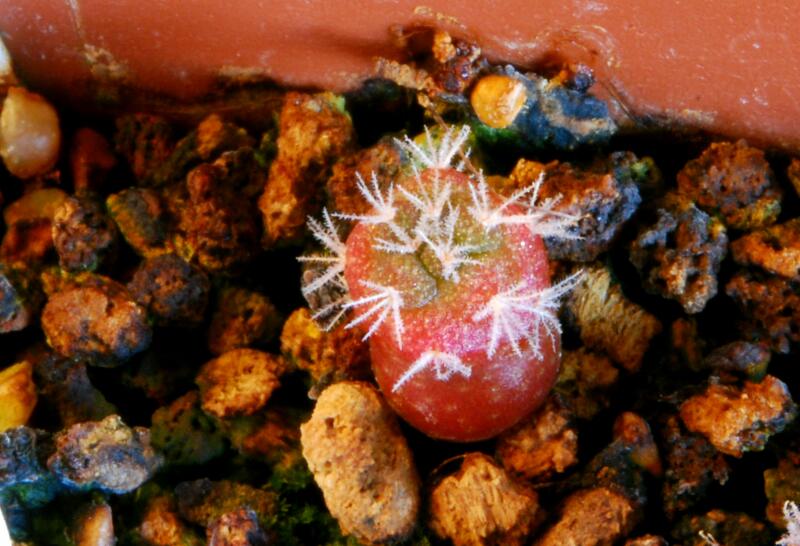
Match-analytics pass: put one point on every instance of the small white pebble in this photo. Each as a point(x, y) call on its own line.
point(6, 69)
point(29, 133)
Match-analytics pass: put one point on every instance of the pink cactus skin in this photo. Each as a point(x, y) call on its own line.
point(495, 388)
point(450, 283)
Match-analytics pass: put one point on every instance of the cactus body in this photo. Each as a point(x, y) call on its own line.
point(450, 284)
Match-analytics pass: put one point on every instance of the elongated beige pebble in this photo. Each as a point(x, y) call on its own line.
point(362, 463)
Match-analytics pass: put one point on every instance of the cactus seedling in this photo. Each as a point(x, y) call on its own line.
point(450, 284)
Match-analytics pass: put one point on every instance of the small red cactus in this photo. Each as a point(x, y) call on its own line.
point(450, 284)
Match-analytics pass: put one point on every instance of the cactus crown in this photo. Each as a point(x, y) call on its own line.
point(426, 232)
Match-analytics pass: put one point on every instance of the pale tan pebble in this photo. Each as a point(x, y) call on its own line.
point(239, 382)
point(481, 505)
point(362, 463)
point(592, 517)
point(609, 321)
point(542, 445)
